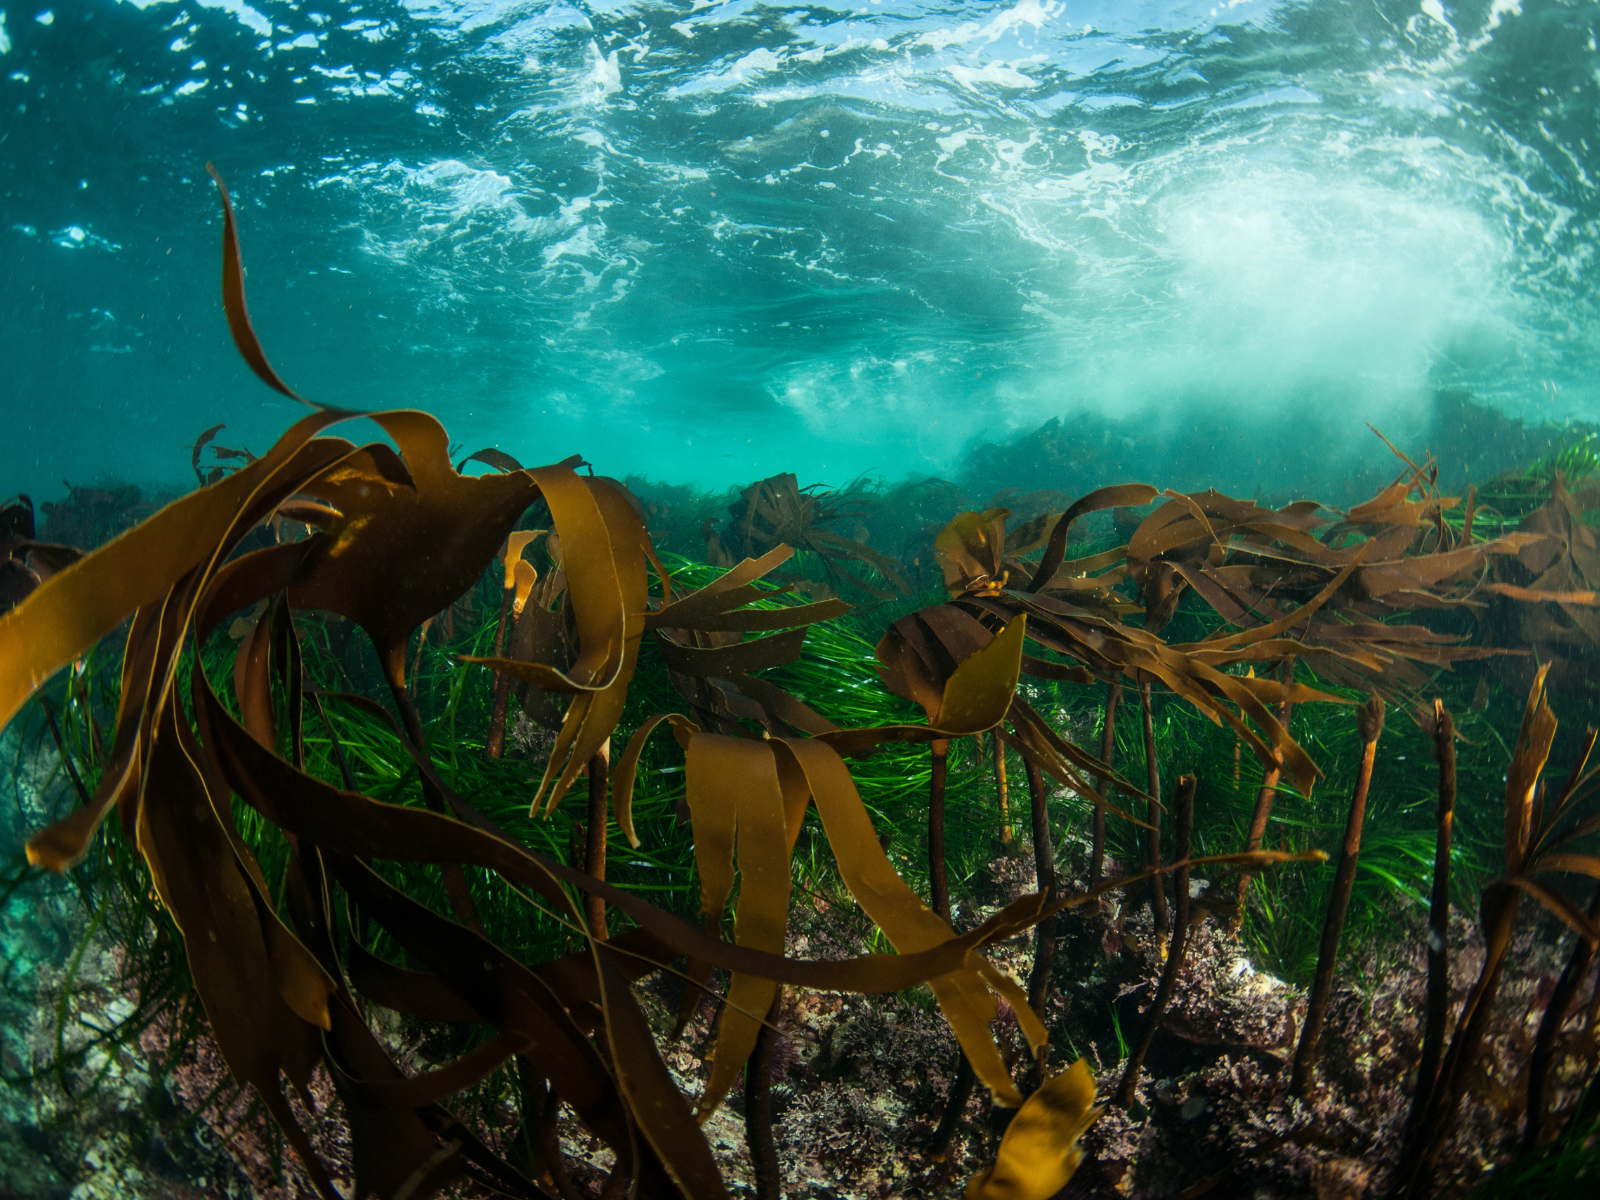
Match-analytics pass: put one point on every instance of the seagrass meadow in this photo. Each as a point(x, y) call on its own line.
point(396, 821)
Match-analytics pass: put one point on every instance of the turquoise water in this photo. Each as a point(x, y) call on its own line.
point(710, 241)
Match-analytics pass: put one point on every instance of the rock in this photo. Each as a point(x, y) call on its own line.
point(1341, 1179)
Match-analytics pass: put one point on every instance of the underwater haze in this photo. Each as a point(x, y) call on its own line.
point(706, 242)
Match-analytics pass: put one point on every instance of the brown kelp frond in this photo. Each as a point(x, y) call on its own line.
point(1548, 595)
point(1039, 1152)
point(700, 635)
point(1083, 624)
point(1253, 567)
point(777, 512)
point(1296, 582)
point(24, 562)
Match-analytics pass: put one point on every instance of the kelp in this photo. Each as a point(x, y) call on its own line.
point(774, 781)
point(1291, 584)
point(1548, 596)
point(1325, 588)
point(1039, 1152)
point(397, 535)
point(25, 563)
point(777, 512)
point(224, 459)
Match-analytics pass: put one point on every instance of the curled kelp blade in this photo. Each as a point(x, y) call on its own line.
point(974, 697)
point(605, 570)
point(498, 459)
point(592, 715)
point(1254, 566)
point(1039, 1152)
point(239, 324)
point(1534, 740)
point(1125, 495)
point(663, 1115)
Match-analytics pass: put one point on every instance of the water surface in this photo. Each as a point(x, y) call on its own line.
point(710, 241)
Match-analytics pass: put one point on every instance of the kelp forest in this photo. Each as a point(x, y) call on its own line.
point(401, 820)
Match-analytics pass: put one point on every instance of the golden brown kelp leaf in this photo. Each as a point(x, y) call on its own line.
point(973, 697)
point(735, 799)
point(909, 924)
point(919, 653)
point(1251, 564)
point(1039, 1152)
point(1108, 648)
point(539, 634)
point(922, 654)
point(654, 1099)
point(972, 551)
point(601, 541)
point(1064, 761)
point(498, 459)
point(977, 572)
point(1124, 495)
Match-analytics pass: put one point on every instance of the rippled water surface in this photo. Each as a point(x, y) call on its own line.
point(708, 241)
